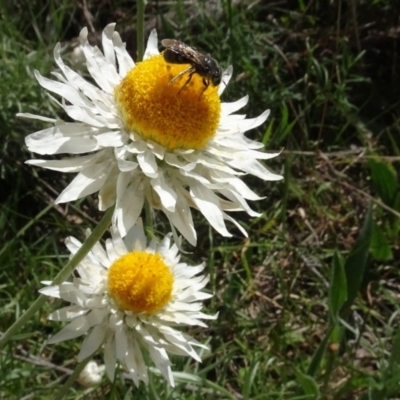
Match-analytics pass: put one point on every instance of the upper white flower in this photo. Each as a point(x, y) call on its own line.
point(140, 138)
point(130, 297)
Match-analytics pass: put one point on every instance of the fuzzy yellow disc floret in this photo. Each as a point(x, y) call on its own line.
point(175, 115)
point(140, 282)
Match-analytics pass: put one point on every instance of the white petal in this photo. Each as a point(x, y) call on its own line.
point(240, 155)
point(68, 165)
point(226, 77)
point(111, 139)
point(110, 358)
point(73, 244)
point(121, 343)
point(130, 200)
point(211, 163)
point(108, 192)
point(255, 168)
point(236, 198)
point(164, 245)
point(178, 339)
point(208, 204)
point(252, 123)
point(74, 329)
point(198, 176)
point(136, 146)
point(229, 108)
point(118, 244)
point(66, 291)
point(158, 150)
point(92, 342)
point(236, 141)
point(160, 358)
point(152, 42)
point(167, 194)
point(67, 313)
point(126, 166)
point(181, 270)
point(86, 116)
point(111, 253)
point(100, 255)
point(68, 92)
point(54, 291)
point(177, 162)
point(54, 141)
point(34, 116)
point(135, 363)
point(88, 181)
point(148, 164)
point(173, 252)
point(75, 80)
point(108, 46)
point(229, 218)
point(157, 354)
point(104, 74)
point(125, 62)
point(135, 238)
point(182, 219)
point(96, 316)
point(180, 318)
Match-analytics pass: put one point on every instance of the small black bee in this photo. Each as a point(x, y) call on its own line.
point(177, 52)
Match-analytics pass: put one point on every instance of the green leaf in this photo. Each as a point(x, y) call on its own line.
point(389, 384)
point(319, 353)
point(380, 248)
point(394, 359)
point(268, 132)
point(308, 384)
point(251, 374)
point(357, 260)
point(384, 179)
point(338, 287)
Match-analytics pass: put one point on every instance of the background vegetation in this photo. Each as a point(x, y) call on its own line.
point(309, 303)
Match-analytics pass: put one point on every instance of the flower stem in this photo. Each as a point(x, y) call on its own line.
point(148, 221)
point(26, 227)
point(62, 275)
point(140, 28)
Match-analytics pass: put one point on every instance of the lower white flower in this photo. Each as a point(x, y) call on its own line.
point(129, 298)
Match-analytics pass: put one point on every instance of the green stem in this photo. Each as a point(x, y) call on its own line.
point(140, 28)
point(62, 275)
point(26, 227)
point(148, 221)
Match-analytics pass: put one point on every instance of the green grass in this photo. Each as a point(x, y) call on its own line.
point(309, 303)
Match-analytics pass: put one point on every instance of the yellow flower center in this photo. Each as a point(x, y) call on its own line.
point(140, 282)
point(177, 115)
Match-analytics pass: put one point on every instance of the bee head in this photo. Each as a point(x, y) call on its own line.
point(216, 76)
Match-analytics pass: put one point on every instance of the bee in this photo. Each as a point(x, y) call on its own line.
point(177, 52)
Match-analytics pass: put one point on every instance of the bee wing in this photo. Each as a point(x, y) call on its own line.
point(172, 44)
point(191, 53)
point(196, 57)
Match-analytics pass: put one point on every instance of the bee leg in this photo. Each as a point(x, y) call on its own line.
point(188, 80)
point(189, 70)
point(206, 84)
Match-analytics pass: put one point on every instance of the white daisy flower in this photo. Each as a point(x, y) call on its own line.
point(129, 298)
point(141, 138)
point(91, 375)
